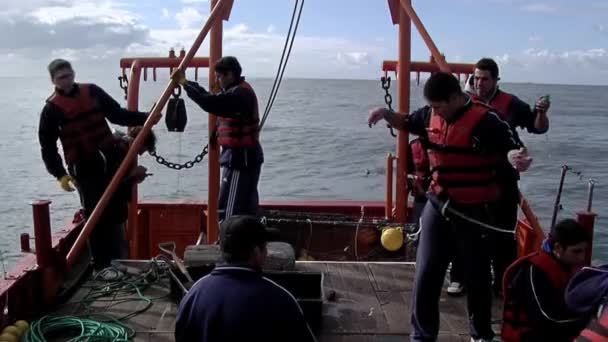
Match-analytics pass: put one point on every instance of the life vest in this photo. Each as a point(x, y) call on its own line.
point(515, 321)
point(240, 133)
point(596, 330)
point(458, 168)
point(84, 130)
point(501, 103)
point(422, 167)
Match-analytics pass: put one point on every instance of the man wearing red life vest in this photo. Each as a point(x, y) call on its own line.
point(237, 133)
point(535, 286)
point(76, 114)
point(467, 143)
point(517, 114)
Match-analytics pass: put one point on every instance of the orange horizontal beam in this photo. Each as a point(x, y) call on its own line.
point(457, 68)
point(164, 62)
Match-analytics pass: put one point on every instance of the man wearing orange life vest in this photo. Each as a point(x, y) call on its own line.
point(237, 133)
point(535, 288)
point(467, 142)
point(76, 114)
point(517, 114)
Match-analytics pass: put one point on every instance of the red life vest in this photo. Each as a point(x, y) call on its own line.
point(596, 330)
point(500, 103)
point(515, 320)
point(240, 133)
point(458, 169)
point(422, 167)
point(84, 130)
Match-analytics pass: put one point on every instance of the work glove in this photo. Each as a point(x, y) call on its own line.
point(65, 181)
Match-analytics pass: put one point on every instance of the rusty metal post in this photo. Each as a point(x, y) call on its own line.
point(25, 243)
point(42, 233)
point(403, 87)
point(133, 104)
point(388, 206)
point(215, 53)
point(587, 220)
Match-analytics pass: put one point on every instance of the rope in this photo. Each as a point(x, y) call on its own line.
point(117, 287)
point(289, 39)
point(85, 329)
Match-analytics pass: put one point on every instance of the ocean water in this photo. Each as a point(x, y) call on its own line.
point(317, 146)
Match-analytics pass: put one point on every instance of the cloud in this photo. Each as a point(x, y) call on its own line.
point(270, 28)
point(540, 8)
point(193, 1)
point(587, 66)
point(65, 25)
point(189, 17)
point(354, 58)
point(165, 13)
point(535, 38)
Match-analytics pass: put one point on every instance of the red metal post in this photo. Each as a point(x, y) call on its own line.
point(138, 142)
point(25, 243)
point(439, 59)
point(215, 53)
point(388, 208)
point(587, 220)
point(459, 68)
point(133, 104)
point(42, 233)
point(403, 86)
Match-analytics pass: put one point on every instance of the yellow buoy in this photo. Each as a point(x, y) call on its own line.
point(11, 329)
point(22, 326)
point(392, 238)
point(7, 337)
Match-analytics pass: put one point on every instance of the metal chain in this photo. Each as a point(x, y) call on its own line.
point(124, 84)
point(388, 99)
point(187, 165)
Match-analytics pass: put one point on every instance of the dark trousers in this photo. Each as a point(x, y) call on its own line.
point(439, 239)
point(239, 192)
point(107, 240)
point(504, 251)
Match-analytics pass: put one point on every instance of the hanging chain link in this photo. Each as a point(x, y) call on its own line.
point(388, 99)
point(124, 84)
point(187, 165)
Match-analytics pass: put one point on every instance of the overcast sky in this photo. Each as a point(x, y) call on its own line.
point(557, 41)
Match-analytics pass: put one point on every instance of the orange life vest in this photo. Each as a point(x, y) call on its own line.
point(240, 133)
point(84, 130)
point(422, 167)
point(515, 320)
point(458, 168)
point(596, 330)
point(501, 103)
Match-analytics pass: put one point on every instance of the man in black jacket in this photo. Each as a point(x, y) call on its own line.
point(236, 302)
point(237, 133)
point(76, 114)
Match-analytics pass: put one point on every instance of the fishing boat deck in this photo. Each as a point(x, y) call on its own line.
point(371, 303)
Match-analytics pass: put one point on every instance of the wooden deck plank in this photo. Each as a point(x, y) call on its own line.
point(372, 303)
point(387, 277)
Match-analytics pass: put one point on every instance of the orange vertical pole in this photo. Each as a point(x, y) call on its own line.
point(215, 53)
point(133, 104)
point(438, 57)
point(388, 206)
point(403, 86)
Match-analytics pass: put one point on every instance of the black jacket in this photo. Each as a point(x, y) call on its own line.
point(238, 304)
point(52, 119)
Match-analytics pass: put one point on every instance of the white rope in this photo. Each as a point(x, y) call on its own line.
point(540, 307)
